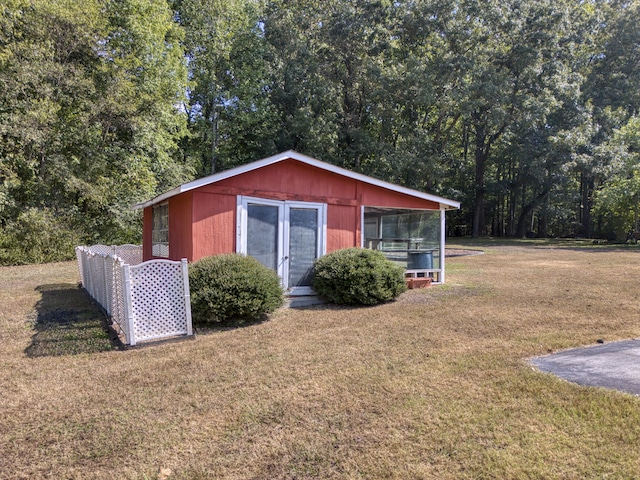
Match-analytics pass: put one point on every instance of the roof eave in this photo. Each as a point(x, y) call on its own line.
point(159, 199)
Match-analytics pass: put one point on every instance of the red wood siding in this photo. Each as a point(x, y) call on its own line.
point(342, 227)
point(202, 222)
point(374, 196)
point(214, 219)
point(180, 221)
point(289, 180)
point(292, 180)
point(147, 229)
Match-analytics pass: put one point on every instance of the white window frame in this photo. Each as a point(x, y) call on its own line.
point(157, 249)
point(242, 222)
point(442, 239)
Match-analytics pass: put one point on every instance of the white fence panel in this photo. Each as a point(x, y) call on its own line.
point(130, 254)
point(158, 292)
point(80, 257)
point(118, 314)
point(146, 301)
point(99, 248)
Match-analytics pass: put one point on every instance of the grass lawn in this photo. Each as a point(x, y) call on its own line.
point(435, 385)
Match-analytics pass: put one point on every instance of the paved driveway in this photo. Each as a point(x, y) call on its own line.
point(611, 365)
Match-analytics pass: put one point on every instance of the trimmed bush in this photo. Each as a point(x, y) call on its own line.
point(358, 276)
point(37, 236)
point(233, 289)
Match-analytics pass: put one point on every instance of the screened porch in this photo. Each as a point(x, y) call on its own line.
point(410, 238)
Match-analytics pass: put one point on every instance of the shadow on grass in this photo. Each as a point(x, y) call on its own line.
point(69, 322)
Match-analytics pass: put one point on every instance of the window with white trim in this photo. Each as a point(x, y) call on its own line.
point(160, 231)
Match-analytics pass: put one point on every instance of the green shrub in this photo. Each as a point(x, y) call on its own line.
point(358, 276)
point(232, 288)
point(37, 236)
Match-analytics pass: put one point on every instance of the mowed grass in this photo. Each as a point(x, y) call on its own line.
point(434, 386)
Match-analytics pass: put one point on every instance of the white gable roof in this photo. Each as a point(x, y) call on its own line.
point(290, 154)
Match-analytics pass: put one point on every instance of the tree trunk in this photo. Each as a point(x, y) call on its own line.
point(526, 212)
point(214, 139)
point(543, 220)
point(586, 185)
point(478, 213)
point(481, 154)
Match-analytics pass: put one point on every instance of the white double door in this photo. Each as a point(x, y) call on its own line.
point(286, 236)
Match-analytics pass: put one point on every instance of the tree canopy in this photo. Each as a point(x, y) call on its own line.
point(526, 112)
point(90, 119)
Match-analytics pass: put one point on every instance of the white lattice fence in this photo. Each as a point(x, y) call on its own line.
point(145, 301)
point(159, 299)
point(130, 254)
point(118, 312)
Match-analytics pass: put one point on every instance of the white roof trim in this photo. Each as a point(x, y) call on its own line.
point(291, 154)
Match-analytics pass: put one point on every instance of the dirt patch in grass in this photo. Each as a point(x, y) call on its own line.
point(433, 386)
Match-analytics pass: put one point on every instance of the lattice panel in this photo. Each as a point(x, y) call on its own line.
point(104, 249)
point(104, 281)
point(108, 275)
point(117, 306)
point(80, 258)
point(130, 254)
point(158, 300)
point(97, 285)
point(158, 294)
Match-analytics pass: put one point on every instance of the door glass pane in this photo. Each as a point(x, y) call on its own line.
point(303, 245)
point(262, 234)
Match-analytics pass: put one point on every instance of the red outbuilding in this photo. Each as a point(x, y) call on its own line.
point(289, 209)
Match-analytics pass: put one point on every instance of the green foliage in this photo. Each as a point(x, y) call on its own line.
point(358, 276)
point(500, 106)
point(509, 107)
point(617, 201)
point(231, 116)
point(232, 288)
point(90, 113)
point(37, 236)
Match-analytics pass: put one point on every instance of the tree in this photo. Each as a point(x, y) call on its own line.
point(617, 201)
point(90, 113)
point(611, 92)
point(479, 78)
point(516, 63)
point(501, 105)
point(230, 116)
